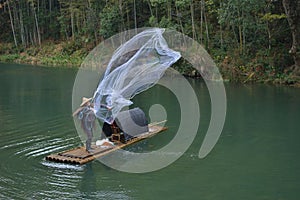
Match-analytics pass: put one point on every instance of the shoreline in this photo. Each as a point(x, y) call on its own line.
point(65, 55)
point(270, 81)
point(50, 53)
point(37, 63)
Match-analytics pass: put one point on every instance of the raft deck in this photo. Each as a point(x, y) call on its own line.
point(80, 156)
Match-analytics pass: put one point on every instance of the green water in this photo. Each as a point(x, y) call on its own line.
point(256, 157)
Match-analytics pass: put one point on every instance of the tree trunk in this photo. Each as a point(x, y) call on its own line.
point(179, 17)
point(134, 13)
point(221, 31)
point(201, 22)
point(31, 38)
point(72, 24)
point(37, 27)
point(269, 35)
point(206, 26)
point(244, 32)
point(149, 5)
point(22, 28)
point(169, 10)
point(292, 11)
point(12, 24)
point(50, 6)
point(192, 18)
point(240, 32)
point(121, 13)
point(36, 30)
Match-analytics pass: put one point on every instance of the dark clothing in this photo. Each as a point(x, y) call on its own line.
point(107, 129)
point(87, 118)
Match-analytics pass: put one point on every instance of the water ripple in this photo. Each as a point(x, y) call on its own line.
point(22, 142)
point(62, 166)
point(46, 150)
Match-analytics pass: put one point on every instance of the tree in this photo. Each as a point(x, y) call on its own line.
point(110, 20)
point(242, 17)
point(292, 10)
point(36, 21)
point(12, 23)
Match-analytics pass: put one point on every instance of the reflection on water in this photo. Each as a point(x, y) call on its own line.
point(255, 158)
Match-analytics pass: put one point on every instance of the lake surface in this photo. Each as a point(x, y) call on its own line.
point(256, 157)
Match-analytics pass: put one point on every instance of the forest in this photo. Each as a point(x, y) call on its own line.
point(250, 40)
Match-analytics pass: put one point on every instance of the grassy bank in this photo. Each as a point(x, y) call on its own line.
point(49, 53)
point(257, 71)
point(232, 68)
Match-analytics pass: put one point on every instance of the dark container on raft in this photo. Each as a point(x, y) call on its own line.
point(132, 122)
point(129, 123)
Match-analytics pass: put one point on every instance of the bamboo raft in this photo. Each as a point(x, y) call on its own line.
point(79, 155)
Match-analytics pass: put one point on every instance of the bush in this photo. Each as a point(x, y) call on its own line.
point(7, 48)
point(9, 57)
point(70, 47)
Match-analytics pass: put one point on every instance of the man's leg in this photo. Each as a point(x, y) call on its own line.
point(88, 143)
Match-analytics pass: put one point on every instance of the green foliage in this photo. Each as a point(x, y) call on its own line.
point(182, 3)
point(8, 58)
point(7, 48)
point(271, 17)
point(153, 21)
point(71, 46)
point(166, 23)
point(249, 39)
point(185, 68)
point(110, 20)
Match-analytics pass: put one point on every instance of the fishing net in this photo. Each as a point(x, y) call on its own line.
point(135, 66)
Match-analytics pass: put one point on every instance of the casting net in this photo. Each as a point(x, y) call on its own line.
point(135, 66)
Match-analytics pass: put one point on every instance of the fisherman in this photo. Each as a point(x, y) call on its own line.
point(85, 114)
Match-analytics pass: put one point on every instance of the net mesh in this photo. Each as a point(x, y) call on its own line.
point(135, 66)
